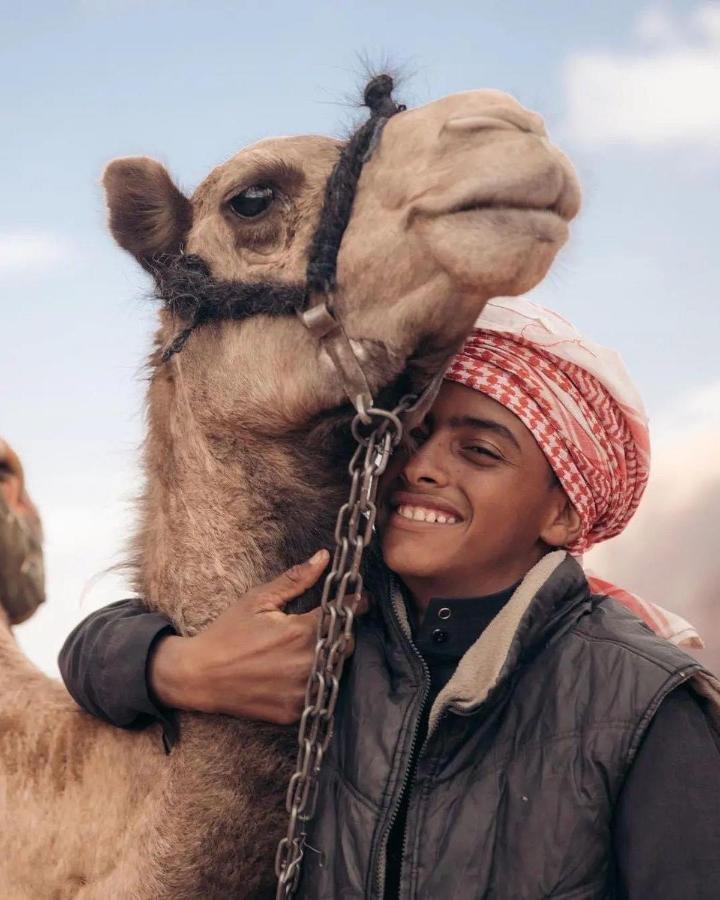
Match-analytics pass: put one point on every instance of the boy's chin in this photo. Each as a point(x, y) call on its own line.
point(410, 555)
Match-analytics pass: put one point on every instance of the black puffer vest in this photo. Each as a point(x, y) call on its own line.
point(528, 745)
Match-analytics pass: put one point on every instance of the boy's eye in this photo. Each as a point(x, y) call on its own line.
point(482, 451)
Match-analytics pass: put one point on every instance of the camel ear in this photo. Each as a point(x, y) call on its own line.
point(148, 214)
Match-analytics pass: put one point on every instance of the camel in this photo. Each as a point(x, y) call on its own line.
point(22, 575)
point(457, 201)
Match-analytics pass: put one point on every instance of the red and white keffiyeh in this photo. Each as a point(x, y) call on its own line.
point(579, 403)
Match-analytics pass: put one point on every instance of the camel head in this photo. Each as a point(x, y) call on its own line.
point(447, 205)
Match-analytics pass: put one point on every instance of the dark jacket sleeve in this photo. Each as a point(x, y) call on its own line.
point(104, 661)
point(667, 826)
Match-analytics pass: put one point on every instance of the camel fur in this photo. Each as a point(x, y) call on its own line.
point(462, 199)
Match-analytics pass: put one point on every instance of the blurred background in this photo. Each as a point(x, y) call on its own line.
point(630, 90)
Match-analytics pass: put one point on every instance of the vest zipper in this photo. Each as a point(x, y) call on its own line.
point(382, 859)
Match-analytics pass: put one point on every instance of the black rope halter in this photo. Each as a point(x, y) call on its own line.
point(185, 285)
point(342, 185)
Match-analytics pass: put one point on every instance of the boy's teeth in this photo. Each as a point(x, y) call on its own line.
point(420, 514)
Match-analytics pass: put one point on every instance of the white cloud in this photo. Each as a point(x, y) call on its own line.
point(31, 250)
point(664, 92)
point(707, 21)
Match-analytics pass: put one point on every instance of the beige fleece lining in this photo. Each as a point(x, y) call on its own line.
point(479, 668)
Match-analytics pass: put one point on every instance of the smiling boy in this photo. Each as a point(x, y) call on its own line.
point(501, 730)
point(482, 460)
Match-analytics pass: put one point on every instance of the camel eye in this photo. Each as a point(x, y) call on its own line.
point(253, 201)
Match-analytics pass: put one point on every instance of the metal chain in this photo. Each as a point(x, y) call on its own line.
point(341, 593)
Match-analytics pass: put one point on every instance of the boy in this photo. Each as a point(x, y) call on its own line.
point(501, 730)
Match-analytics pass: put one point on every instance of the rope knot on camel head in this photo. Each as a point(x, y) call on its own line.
point(342, 184)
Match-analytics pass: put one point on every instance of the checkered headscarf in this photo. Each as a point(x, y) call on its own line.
point(577, 400)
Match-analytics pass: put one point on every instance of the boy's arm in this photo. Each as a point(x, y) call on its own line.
point(129, 667)
point(667, 826)
point(104, 664)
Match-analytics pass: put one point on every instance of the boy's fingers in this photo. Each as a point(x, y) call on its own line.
point(293, 582)
point(363, 604)
point(314, 615)
point(312, 618)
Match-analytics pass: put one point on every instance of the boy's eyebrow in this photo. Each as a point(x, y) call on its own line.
point(484, 425)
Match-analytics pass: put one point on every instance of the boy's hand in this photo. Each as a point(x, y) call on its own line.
point(252, 661)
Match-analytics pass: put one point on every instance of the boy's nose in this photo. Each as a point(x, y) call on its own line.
point(425, 466)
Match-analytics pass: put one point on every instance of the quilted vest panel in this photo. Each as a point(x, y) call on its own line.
point(512, 801)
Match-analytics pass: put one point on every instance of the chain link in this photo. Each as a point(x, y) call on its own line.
point(377, 432)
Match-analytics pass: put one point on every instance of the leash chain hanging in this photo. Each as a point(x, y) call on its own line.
point(341, 593)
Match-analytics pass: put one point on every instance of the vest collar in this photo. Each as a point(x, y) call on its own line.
point(537, 609)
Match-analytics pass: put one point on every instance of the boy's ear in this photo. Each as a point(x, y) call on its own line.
point(564, 524)
point(149, 216)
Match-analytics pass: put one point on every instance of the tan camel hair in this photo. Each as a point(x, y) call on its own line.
point(463, 199)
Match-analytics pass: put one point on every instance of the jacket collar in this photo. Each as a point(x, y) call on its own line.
point(546, 600)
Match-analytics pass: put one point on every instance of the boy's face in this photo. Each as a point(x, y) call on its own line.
point(478, 468)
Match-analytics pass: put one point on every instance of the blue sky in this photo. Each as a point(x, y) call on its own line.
point(628, 89)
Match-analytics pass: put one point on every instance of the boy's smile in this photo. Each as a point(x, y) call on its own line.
point(474, 505)
point(417, 507)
